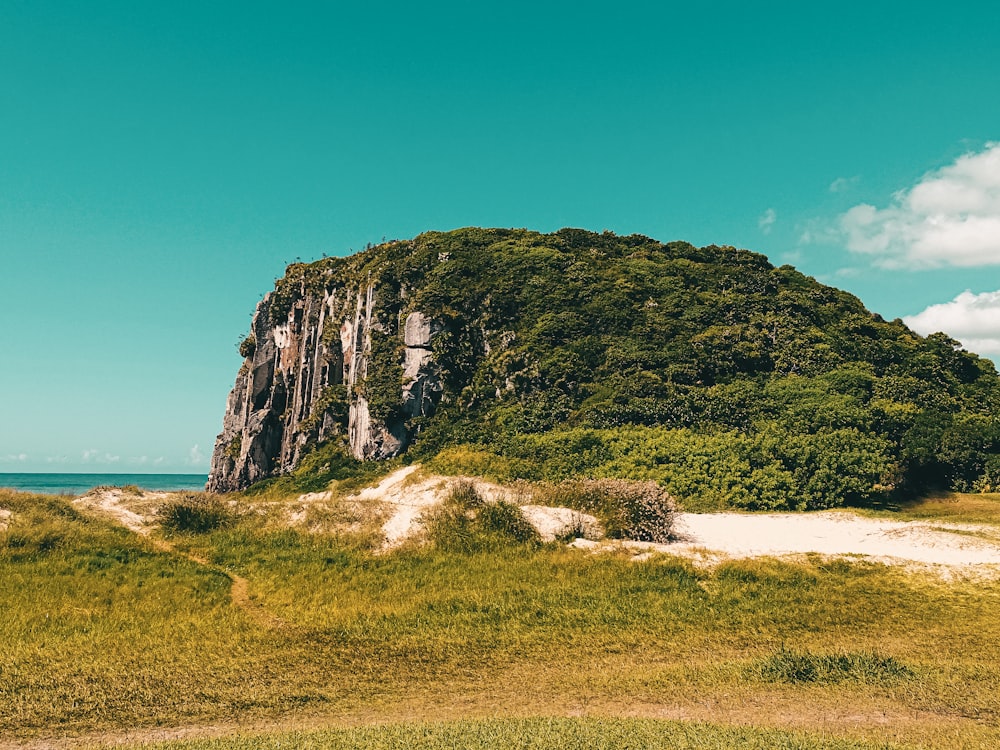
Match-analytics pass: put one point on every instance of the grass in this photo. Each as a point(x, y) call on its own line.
point(100, 631)
point(465, 522)
point(867, 667)
point(531, 734)
point(196, 513)
point(958, 507)
point(954, 507)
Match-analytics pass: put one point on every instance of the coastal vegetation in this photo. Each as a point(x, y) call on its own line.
point(105, 630)
point(730, 382)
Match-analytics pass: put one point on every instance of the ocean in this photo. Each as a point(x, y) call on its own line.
point(77, 484)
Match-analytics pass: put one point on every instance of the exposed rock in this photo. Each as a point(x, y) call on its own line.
point(306, 381)
point(422, 384)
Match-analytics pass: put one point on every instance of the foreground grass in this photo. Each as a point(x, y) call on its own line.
point(100, 631)
point(531, 734)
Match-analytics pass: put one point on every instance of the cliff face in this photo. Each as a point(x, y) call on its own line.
point(307, 377)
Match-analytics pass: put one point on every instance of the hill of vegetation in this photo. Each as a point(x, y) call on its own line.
point(731, 382)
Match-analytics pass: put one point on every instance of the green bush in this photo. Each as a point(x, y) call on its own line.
point(464, 495)
point(247, 346)
point(800, 666)
point(466, 522)
point(505, 520)
point(195, 514)
point(775, 467)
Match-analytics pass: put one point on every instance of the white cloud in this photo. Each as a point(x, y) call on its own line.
point(16, 457)
point(766, 220)
point(950, 218)
point(843, 184)
point(973, 319)
point(96, 456)
point(195, 456)
point(56, 459)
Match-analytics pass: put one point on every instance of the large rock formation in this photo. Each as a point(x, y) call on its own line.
point(475, 338)
point(307, 376)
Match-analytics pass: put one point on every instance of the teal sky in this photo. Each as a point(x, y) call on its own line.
point(161, 163)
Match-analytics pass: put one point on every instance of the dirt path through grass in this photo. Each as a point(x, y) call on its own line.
point(239, 590)
point(110, 503)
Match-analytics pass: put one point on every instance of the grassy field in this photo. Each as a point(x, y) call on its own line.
point(103, 632)
point(533, 734)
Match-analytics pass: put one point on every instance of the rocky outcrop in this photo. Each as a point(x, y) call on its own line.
point(470, 340)
point(311, 373)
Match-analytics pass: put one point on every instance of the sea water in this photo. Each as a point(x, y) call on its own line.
point(77, 484)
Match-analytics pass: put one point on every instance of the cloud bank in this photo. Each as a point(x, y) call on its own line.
point(950, 218)
point(973, 319)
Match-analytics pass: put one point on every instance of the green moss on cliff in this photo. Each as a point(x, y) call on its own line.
point(384, 380)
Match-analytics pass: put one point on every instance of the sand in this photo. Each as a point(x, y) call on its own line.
point(840, 533)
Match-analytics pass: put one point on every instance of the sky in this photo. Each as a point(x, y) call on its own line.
point(161, 164)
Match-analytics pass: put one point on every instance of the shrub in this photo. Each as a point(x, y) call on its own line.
point(247, 346)
point(466, 522)
point(642, 511)
point(195, 513)
point(464, 495)
point(506, 520)
point(234, 446)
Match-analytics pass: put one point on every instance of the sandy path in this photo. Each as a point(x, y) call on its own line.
point(958, 547)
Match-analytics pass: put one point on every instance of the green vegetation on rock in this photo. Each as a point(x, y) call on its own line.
point(729, 381)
